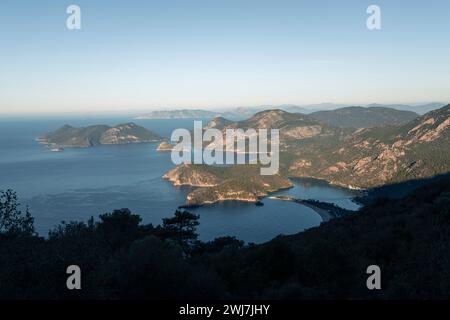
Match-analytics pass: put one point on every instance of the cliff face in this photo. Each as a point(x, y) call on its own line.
point(68, 136)
point(192, 175)
point(376, 156)
point(240, 183)
point(251, 190)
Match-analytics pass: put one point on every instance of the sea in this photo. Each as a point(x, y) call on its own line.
point(78, 183)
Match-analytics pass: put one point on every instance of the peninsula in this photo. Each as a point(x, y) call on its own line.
point(220, 183)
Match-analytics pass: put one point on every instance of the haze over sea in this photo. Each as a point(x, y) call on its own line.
point(79, 183)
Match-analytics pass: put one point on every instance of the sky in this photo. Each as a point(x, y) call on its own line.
point(142, 55)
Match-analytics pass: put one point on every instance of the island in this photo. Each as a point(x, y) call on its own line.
point(164, 146)
point(71, 137)
point(224, 183)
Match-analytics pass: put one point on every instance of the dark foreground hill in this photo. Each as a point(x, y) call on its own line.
point(409, 239)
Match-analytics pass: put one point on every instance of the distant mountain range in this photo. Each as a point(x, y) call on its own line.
point(241, 113)
point(178, 114)
point(417, 108)
point(68, 136)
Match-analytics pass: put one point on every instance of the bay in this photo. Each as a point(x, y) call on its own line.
point(79, 183)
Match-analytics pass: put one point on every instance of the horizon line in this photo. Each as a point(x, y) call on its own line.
point(212, 108)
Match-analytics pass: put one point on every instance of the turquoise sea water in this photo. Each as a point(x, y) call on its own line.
point(79, 183)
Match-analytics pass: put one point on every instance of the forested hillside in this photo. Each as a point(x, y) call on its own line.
point(408, 238)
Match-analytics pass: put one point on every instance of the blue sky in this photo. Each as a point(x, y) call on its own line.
point(220, 53)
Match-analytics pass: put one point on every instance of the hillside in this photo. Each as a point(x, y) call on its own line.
point(244, 182)
point(359, 117)
point(292, 126)
point(409, 239)
point(218, 123)
point(362, 158)
point(240, 183)
point(417, 108)
point(376, 156)
point(68, 136)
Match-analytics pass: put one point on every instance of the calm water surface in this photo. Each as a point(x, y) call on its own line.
point(79, 183)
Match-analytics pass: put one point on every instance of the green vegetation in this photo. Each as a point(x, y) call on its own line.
point(363, 158)
point(12, 220)
point(359, 117)
point(220, 183)
point(182, 228)
point(68, 136)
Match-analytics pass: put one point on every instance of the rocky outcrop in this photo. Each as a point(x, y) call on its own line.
point(303, 132)
point(238, 183)
point(164, 146)
point(218, 123)
point(188, 175)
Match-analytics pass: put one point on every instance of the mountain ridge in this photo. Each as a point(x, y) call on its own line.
point(360, 117)
point(374, 156)
point(242, 113)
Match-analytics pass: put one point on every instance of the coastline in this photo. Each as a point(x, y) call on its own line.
point(327, 211)
point(331, 183)
point(324, 214)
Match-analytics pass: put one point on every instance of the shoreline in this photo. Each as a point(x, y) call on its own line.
point(324, 214)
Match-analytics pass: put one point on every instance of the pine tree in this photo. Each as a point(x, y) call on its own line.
point(182, 228)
